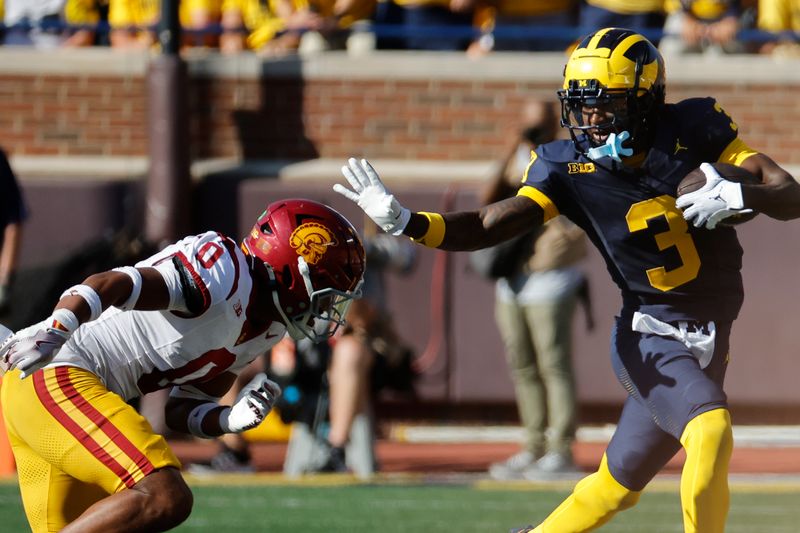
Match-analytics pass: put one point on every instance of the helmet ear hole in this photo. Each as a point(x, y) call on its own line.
point(266, 228)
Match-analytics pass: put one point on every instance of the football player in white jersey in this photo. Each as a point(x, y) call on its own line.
point(190, 318)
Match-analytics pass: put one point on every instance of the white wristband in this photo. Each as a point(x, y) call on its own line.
point(195, 420)
point(136, 279)
point(88, 294)
point(67, 321)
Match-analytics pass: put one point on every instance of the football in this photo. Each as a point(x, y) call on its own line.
point(696, 179)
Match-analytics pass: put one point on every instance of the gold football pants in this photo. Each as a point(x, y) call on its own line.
point(75, 442)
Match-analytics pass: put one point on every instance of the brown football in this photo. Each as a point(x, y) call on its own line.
point(696, 179)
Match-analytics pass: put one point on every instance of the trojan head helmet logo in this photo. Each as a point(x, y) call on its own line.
point(311, 240)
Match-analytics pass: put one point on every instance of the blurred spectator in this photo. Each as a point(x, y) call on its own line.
point(33, 23)
point(781, 17)
point(535, 299)
point(341, 23)
point(426, 24)
point(369, 354)
point(199, 20)
point(495, 17)
point(263, 26)
point(12, 215)
point(639, 15)
point(83, 18)
point(695, 26)
point(134, 22)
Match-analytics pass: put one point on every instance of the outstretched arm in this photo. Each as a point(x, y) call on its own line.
point(471, 230)
point(126, 288)
point(461, 230)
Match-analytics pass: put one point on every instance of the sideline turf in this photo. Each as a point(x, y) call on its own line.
point(423, 509)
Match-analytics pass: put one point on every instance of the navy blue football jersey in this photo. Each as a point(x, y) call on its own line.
point(663, 265)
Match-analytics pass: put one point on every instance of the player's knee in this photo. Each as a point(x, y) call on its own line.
point(711, 430)
point(609, 493)
point(168, 500)
point(607, 502)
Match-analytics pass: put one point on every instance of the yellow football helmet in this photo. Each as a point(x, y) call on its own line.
point(621, 72)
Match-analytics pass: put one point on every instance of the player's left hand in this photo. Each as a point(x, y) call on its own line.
point(715, 201)
point(371, 195)
point(32, 348)
point(252, 406)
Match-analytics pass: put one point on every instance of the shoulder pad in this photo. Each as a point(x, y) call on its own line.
point(560, 151)
point(693, 110)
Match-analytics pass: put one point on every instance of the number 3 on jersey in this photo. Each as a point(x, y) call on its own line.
point(677, 236)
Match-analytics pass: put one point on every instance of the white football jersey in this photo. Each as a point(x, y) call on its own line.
point(136, 352)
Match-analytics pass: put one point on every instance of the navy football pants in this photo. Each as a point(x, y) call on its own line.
point(666, 389)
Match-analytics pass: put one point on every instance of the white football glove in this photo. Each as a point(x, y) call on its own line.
point(32, 348)
point(252, 405)
point(715, 201)
point(371, 195)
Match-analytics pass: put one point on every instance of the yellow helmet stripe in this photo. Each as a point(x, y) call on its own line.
point(626, 43)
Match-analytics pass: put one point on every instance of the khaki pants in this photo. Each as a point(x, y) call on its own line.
point(538, 348)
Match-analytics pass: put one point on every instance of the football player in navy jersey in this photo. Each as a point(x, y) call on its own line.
point(677, 267)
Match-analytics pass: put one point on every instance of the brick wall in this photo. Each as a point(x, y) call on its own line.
point(435, 107)
point(73, 115)
point(85, 103)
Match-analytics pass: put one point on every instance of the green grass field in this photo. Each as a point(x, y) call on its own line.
point(409, 507)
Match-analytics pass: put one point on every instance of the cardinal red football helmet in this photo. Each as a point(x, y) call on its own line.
point(316, 258)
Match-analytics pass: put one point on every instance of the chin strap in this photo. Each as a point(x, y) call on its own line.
point(612, 148)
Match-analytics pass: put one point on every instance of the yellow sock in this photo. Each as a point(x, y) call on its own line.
point(708, 441)
point(593, 502)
